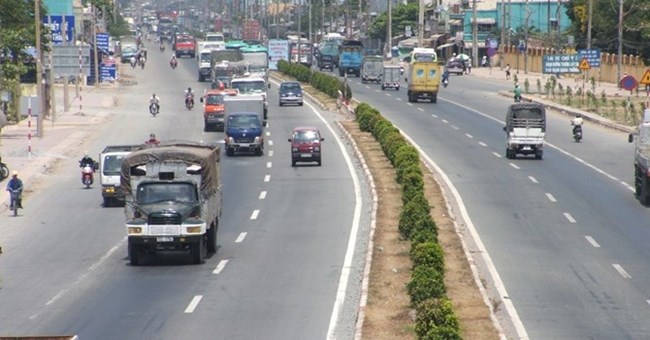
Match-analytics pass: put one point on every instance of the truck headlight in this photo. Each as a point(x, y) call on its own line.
point(134, 230)
point(193, 229)
point(294, 149)
point(317, 148)
point(230, 140)
point(258, 140)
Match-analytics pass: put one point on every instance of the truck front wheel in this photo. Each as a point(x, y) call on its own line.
point(212, 237)
point(198, 251)
point(134, 254)
point(644, 197)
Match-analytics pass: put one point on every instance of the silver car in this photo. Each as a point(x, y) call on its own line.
point(290, 93)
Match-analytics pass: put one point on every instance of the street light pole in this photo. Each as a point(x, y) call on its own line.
point(310, 39)
point(40, 93)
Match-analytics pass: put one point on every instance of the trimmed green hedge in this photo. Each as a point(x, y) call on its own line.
point(325, 83)
point(435, 320)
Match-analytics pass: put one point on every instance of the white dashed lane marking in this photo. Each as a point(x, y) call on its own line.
point(569, 217)
point(270, 153)
point(268, 164)
point(241, 237)
point(482, 144)
point(268, 133)
point(255, 213)
point(533, 179)
point(195, 302)
point(220, 267)
point(514, 166)
point(262, 195)
point(621, 271)
point(445, 121)
point(592, 241)
point(469, 136)
point(434, 116)
point(550, 197)
point(497, 155)
point(270, 143)
point(267, 178)
point(419, 108)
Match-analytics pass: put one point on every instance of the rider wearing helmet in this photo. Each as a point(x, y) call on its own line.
point(87, 161)
point(154, 101)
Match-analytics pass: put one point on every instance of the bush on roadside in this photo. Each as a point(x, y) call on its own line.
point(412, 185)
point(325, 83)
point(401, 172)
point(435, 320)
point(416, 209)
point(426, 283)
point(422, 235)
point(428, 254)
point(406, 155)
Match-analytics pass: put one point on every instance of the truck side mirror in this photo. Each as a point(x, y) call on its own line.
point(201, 99)
point(504, 128)
point(630, 138)
point(289, 140)
point(269, 85)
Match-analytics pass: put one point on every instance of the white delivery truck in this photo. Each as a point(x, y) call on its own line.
point(110, 165)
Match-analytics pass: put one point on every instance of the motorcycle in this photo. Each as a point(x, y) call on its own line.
point(577, 133)
point(173, 64)
point(15, 201)
point(162, 47)
point(4, 170)
point(517, 98)
point(445, 82)
point(87, 175)
point(189, 102)
point(154, 109)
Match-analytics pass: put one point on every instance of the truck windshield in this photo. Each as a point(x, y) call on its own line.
point(112, 165)
point(160, 192)
point(249, 86)
point(214, 99)
point(205, 57)
point(242, 121)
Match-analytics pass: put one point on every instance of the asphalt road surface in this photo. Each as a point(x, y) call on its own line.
point(566, 234)
point(291, 240)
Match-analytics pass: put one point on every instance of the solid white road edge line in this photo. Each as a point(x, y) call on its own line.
point(192, 306)
point(354, 229)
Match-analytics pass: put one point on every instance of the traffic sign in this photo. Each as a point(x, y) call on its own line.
point(628, 83)
point(584, 64)
point(645, 80)
point(592, 55)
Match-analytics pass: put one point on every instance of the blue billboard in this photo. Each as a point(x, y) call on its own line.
point(56, 25)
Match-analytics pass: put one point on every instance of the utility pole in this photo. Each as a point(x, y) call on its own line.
point(299, 31)
point(528, 14)
point(421, 24)
point(389, 35)
point(39, 69)
point(322, 19)
point(474, 35)
point(94, 39)
point(310, 38)
point(619, 59)
point(503, 33)
point(590, 11)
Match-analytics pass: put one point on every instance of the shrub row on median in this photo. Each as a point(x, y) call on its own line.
point(325, 83)
point(435, 318)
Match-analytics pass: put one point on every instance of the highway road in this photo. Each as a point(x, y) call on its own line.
point(565, 234)
point(291, 240)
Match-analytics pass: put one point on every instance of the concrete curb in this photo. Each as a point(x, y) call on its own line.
point(570, 111)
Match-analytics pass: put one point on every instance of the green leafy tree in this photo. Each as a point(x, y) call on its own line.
point(403, 15)
point(604, 31)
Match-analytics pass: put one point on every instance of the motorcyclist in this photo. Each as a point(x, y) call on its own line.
point(517, 92)
point(445, 76)
point(15, 185)
point(87, 161)
point(189, 95)
point(577, 122)
point(152, 140)
point(154, 101)
point(173, 62)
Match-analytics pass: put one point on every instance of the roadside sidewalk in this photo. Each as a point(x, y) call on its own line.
point(62, 139)
point(611, 90)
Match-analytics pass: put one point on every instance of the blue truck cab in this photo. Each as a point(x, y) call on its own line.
point(244, 133)
point(350, 57)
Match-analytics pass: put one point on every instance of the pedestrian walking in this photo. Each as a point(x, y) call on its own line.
point(508, 72)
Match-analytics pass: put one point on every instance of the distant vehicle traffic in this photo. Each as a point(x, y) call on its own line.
point(290, 93)
point(306, 145)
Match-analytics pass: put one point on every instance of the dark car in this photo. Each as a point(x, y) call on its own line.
point(326, 62)
point(290, 93)
point(455, 66)
point(306, 145)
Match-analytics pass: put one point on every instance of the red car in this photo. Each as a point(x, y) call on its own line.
point(306, 145)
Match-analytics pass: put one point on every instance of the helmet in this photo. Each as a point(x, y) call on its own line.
point(578, 115)
point(153, 95)
point(85, 153)
point(152, 136)
point(189, 89)
point(14, 173)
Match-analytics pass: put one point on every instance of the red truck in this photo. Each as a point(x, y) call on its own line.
point(185, 44)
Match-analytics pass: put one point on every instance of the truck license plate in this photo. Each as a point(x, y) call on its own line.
point(243, 145)
point(164, 239)
point(305, 155)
